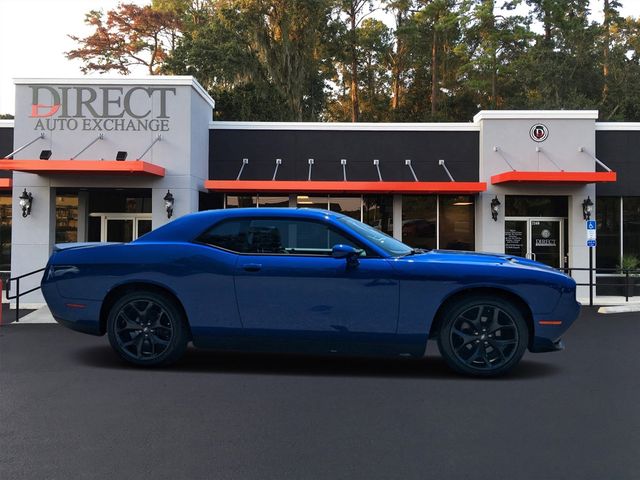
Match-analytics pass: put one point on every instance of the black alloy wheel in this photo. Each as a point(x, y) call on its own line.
point(483, 336)
point(147, 329)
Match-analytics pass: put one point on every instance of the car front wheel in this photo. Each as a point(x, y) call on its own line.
point(483, 336)
point(146, 329)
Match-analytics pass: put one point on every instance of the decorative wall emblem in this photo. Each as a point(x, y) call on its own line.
point(539, 132)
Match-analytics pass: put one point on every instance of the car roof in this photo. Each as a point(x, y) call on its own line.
point(189, 226)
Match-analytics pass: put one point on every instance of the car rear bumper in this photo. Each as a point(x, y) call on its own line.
point(90, 327)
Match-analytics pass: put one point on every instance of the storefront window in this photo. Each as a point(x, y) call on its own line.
point(536, 206)
point(264, 201)
point(5, 232)
point(378, 212)
point(240, 201)
point(631, 226)
point(305, 201)
point(608, 217)
point(66, 218)
point(457, 222)
point(419, 220)
point(349, 206)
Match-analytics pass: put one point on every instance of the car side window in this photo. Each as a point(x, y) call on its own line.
point(275, 236)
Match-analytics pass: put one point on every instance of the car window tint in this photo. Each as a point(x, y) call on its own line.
point(228, 235)
point(276, 236)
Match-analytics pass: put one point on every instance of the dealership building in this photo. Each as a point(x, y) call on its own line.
point(110, 159)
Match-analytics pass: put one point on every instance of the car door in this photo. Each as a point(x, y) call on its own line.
point(290, 288)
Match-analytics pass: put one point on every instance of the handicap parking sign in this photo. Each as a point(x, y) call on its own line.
point(591, 233)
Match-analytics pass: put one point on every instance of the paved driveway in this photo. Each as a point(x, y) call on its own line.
point(70, 409)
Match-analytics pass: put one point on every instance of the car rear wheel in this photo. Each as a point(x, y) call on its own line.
point(483, 336)
point(147, 329)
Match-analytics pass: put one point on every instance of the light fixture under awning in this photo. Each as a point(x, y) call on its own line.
point(82, 167)
point(315, 186)
point(553, 177)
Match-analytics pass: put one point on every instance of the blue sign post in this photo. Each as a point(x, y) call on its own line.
point(591, 242)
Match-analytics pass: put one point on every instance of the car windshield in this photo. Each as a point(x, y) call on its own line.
point(389, 244)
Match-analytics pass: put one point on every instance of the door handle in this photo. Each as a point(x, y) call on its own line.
point(252, 267)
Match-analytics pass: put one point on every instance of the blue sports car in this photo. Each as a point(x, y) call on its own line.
point(304, 280)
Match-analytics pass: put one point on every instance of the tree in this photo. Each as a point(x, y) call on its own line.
point(352, 12)
point(402, 11)
point(374, 49)
point(131, 35)
point(285, 35)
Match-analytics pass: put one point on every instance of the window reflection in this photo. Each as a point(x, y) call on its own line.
point(631, 226)
point(264, 201)
point(349, 206)
point(5, 231)
point(378, 212)
point(457, 222)
point(419, 220)
point(66, 218)
point(305, 201)
point(608, 218)
point(241, 201)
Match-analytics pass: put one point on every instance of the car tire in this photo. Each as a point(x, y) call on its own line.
point(147, 329)
point(483, 336)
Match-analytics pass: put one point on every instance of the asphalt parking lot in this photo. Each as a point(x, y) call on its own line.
point(71, 409)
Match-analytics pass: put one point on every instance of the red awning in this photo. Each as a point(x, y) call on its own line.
point(6, 183)
point(82, 167)
point(553, 177)
point(314, 186)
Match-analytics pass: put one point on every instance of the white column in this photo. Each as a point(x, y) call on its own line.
point(83, 215)
point(397, 217)
point(577, 241)
point(32, 237)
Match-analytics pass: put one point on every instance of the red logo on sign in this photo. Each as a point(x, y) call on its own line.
point(539, 132)
point(35, 110)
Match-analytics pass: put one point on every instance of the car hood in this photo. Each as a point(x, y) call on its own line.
point(457, 256)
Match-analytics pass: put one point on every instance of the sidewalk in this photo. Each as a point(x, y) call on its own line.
point(610, 300)
point(41, 315)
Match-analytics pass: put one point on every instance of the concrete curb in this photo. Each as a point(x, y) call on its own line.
point(620, 309)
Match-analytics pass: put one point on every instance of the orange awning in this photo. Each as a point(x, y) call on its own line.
point(553, 177)
point(314, 186)
point(82, 167)
point(6, 183)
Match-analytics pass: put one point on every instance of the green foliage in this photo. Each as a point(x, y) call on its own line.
point(629, 264)
point(335, 60)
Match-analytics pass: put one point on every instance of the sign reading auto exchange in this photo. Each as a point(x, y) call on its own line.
point(100, 109)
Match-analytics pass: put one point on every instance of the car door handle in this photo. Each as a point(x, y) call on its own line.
point(252, 267)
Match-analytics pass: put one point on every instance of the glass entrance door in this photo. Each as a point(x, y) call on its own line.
point(541, 239)
point(546, 242)
point(119, 229)
point(122, 227)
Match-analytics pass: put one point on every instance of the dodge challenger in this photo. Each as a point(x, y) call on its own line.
point(306, 281)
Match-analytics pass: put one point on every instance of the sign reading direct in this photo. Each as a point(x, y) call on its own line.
point(100, 108)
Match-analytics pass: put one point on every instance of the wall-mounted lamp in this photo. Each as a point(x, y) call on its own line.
point(26, 199)
point(45, 154)
point(495, 208)
point(587, 208)
point(168, 204)
point(121, 156)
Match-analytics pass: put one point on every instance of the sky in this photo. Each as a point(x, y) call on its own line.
point(34, 37)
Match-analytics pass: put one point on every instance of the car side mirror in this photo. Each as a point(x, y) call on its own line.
point(349, 253)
